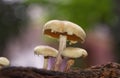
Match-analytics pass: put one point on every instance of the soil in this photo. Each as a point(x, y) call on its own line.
point(110, 70)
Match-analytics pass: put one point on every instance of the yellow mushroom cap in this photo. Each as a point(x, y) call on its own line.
point(72, 52)
point(4, 61)
point(45, 51)
point(55, 28)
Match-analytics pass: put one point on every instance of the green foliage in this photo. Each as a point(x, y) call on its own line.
point(83, 12)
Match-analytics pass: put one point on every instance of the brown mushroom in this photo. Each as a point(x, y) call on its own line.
point(47, 52)
point(72, 53)
point(63, 30)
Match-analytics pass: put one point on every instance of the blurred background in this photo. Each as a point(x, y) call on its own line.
point(21, 23)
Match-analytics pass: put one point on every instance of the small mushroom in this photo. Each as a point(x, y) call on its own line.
point(4, 62)
point(47, 52)
point(63, 30)
point(72, 53)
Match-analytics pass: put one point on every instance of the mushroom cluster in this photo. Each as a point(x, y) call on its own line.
point(64, 31)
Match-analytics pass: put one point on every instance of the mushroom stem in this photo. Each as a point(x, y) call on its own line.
point(45, 65)
point(62, 46)
point(70, 62)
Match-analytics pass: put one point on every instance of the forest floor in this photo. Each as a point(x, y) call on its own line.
point(109, 70)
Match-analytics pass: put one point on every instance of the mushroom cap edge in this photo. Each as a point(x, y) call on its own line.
point(45, 51)
point(72, 52)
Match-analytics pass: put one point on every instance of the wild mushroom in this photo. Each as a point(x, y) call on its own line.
point(4, 62)
point(72, 53)
point(47, 52)
point(63, 30)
